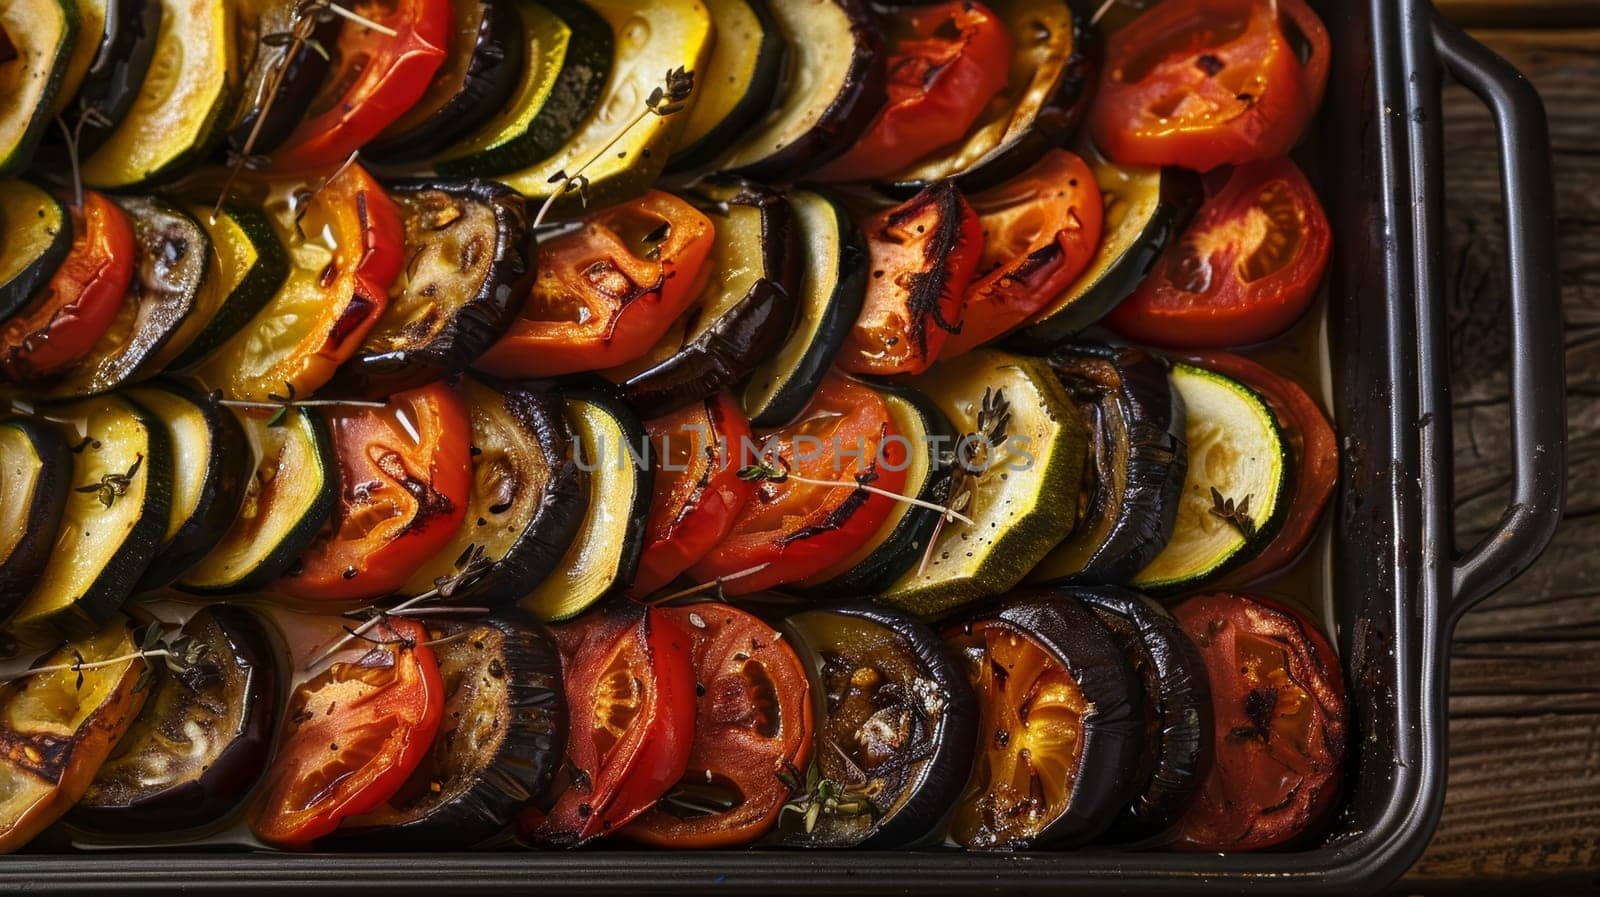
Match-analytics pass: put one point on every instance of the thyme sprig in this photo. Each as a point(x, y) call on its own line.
point(668, 98)
point(1236, 514)
point(714, 586)
point(990, 432)
point(113, 486)
point(73, 138)
point(816, 795)
point(180, 654)
point(778, 471)
point(280, 404)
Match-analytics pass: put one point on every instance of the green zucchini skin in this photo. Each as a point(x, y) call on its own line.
point(584, 72)
point(118, 70)
point(227, 472)
point(257, 288)
point(51, 72)
point(32, 274)
point(20, 568)
point(395, 358)
point(756, 96)
point(498, 50)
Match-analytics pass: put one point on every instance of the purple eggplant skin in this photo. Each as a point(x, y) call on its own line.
point(1112, 734)
point(848, 114)
point(20, 568)
point(502, 677)
point(497, 50)
point(1056, 119)
point(300, 81)
point(1178, 732)
point(747, 332)
point(467, 315)
point(120, 799)
point(112, 83)
point(1133, 412)
point(917, 819)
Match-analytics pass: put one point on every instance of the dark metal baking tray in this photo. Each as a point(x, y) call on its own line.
point(1401, 581)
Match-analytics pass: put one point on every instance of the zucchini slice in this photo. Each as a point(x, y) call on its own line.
point(649, 40)
point(1017, 485)
point(898, 545)
point(183, 102)
point(1133, 478)
point(832, 261)
point(294, 83)
point(70, 720)
point(37, 236)
point(39, 36)
point(464, 281)
point(287, 499)
point(834, 86)
point(244, 270)
point(211, 461)
point(605, 553)
point(1238, 461)
point(484, 66)
point(740, 81)
point(567, 57)
point(528, 496)
point(1145, 208)
point(740, 319)
point(113, 522)
point(87, 42)
point(1046, 94)
point(169, 279)
point(34, 468)
point(127, 47)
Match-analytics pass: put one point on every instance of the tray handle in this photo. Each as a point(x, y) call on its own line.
point(1538, 382)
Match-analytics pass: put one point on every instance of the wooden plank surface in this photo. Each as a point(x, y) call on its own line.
point(1522, 810)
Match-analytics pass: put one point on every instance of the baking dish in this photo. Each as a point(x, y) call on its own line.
point(1400, 582)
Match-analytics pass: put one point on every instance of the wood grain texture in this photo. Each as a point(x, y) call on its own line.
point(1523, 804)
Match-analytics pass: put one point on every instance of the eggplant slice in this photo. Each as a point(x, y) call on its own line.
point(1133, 477)
point(831, 285)
point(501, 739)
point(297, 78)
point(112, 83)
point(834, 85)
point(35, 464)
point(467, 262)
point(527, 502)
point(1061, 727)
point(202, 740)
point(744, 313)
point(740, 82)
point(1047, 94)
point(1145, 209)
point(482, 69)
point(1177, 736)
point(899, 721)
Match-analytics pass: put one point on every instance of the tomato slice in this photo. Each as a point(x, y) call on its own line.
point(375, 79)
point(796, 528)
point(1316, 461)
point(923, 254)
point(64, 322)
point(1280, 724)
point(353, 735)
point(948, 61)
point(1203, 83)
point(1039, 232)
point(1246, 269)
point(697, 492)
point(607, 292)
point(404, 473)
point(631, 700)
point(754, 723)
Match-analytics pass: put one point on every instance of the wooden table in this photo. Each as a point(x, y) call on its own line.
point(1522, 811)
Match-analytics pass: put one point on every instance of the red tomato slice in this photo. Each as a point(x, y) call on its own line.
point(1203, 83)
point(1281, 723)
point(1246, 269)
point(753, 724)
point(404, 474)
point(352, 736)
point(948, 61)
point(375, 79)
point(1039, 232)
point(609, 291)
point(795, 528)
point(1316, 461)
point(923, 254)
point(64, 322)
point(697, 493)
point(630, 698)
